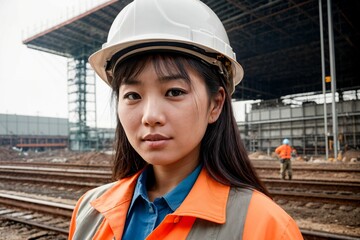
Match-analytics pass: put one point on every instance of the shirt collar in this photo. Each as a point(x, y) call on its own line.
point(140, 188)
point(173, 198)
point(176, 196)
point(207, 200)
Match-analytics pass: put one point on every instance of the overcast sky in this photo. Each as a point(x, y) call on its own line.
point(34, 82)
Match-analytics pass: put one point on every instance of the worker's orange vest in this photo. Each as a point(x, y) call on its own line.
point(284, 151)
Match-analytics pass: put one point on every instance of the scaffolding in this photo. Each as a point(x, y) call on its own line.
point(82, 105)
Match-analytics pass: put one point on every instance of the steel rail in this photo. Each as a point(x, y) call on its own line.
point(315, 181)
point(53, 170)
point(320, 235)
point(343, 199)
point(60, 209)
point(308, 183)
point(59, 174)
point(47, 181)
point(36, 224)
point(258, 164)
point(310, 168)
point(55, 165)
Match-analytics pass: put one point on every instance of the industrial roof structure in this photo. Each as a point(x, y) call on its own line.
point(276, 41)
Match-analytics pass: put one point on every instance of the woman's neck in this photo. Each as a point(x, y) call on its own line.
point(166, 178)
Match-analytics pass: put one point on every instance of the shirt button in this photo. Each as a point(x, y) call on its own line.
point(177, 219)
point(151, 210)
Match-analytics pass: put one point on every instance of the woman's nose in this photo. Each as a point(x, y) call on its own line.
point(153, 113)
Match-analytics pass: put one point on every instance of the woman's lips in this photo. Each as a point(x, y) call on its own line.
point(156, 140)
point(155, 137)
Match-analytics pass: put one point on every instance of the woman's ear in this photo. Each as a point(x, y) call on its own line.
point(216, 105)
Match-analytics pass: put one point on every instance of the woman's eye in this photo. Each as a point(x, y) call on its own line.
point(175, 92)
point(132, 96)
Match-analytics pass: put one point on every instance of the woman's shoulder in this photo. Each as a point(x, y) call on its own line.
point(116, 188)
point(265, 218)
point(270, 219)
point(94, 193)
point(267, 205)
point(101, 189)
point(256, 200)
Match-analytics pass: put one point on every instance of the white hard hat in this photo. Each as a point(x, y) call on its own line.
point(187, 26)
point(286, 141)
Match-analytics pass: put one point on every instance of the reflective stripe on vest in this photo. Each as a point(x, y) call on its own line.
point(236, 210)
point(89, 219)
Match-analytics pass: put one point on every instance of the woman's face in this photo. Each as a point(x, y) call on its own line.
point(165, 117)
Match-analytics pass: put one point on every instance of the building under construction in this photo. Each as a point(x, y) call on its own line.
point(269, 122)
point(33, 132)
point(38, 133)
point(286, 48)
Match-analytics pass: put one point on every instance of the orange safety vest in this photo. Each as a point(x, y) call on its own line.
point(284, 151)
point(210, 207)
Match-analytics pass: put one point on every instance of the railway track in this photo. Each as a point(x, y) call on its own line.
point(261, 167)
point(323, 191)
point(44, 219)
point(293, 190)
point(337, 192)
point(55, 222)
point(73, 176)
point(70, 177)
point(259, 164)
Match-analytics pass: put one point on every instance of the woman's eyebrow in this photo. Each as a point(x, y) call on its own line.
point(131, 81)
point(162, 79)
point(167, 78)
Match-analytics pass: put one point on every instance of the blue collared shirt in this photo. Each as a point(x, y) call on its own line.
point(144, 216)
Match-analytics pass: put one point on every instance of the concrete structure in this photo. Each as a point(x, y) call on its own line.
point(43, 133)
point(33, 132)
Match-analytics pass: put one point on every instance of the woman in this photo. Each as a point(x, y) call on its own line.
point(181, 169)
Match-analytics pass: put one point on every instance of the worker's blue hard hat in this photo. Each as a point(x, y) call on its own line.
point(286, 141)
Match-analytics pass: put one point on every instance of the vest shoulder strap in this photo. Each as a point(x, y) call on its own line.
point(89, 219)
point(236, 211)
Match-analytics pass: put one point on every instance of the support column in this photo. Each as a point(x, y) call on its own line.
point(323, 80)
point(333, 78)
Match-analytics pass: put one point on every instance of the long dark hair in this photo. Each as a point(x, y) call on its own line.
point(222, 152)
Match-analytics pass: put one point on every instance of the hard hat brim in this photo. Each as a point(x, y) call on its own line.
point(99, 59)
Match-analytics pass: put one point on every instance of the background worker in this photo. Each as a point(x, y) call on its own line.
point(285, 152)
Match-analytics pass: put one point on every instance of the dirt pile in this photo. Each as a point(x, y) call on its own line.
point(93, 158)
point(57, 156)
point(8, 154)
point(260, 155)
point(351, 155)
